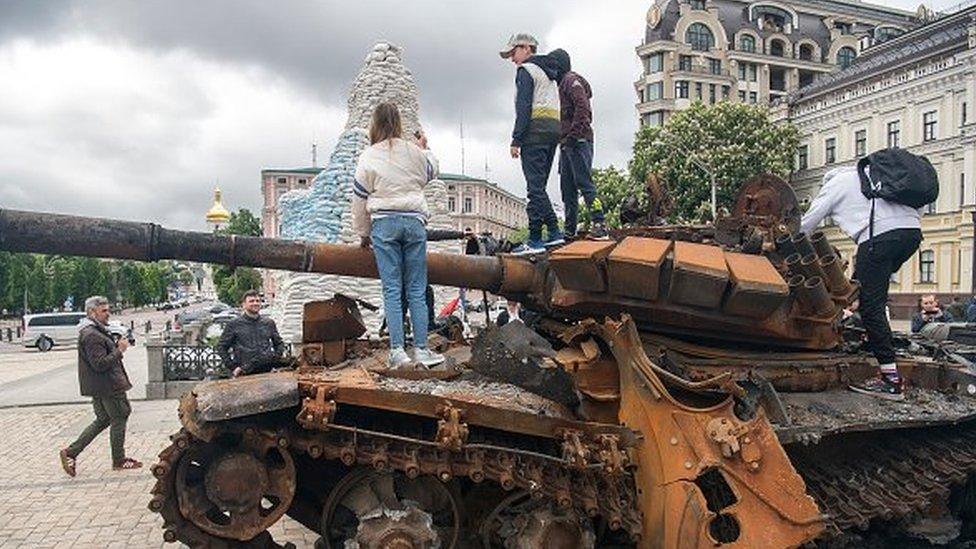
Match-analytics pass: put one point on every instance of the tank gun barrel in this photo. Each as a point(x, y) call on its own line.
point(25, 231)
point(665, 283)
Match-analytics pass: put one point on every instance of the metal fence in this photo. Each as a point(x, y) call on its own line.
point(195, 363)
point(182, 363)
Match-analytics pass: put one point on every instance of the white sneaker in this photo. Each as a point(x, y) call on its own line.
point(529, 249)
point(427, 357)
point(398, 358)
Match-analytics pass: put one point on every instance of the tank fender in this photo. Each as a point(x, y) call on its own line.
point(244, 396)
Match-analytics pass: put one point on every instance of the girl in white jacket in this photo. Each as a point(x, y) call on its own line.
point(389, 212)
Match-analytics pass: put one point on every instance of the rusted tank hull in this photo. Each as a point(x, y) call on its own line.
point(659, 474)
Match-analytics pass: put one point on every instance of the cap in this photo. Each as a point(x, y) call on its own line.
point(520, 39)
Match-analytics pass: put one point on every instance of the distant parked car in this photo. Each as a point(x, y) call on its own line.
point(47, 330)
point(219, 307)
point(226, 316)
point(189, 317)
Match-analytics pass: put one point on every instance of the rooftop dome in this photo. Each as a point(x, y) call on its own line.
point(217, 213)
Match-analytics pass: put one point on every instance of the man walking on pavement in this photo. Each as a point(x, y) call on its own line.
point(896, 236)
point(576, 147)
point(536, 133)
point(102, 376)
point(250, 343)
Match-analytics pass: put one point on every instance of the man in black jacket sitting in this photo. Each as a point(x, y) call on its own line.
point(250, 343)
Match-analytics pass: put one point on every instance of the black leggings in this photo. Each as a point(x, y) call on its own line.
point(874, 267)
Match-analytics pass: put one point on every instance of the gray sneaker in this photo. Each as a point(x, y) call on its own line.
point(398, 358)
point(887, 386)
point(599, 232)
point(427, 357)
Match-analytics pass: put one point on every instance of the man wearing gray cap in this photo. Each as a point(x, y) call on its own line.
point(536, 133)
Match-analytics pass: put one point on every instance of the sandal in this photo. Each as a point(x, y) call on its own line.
point(67, 463)
point(127, 463)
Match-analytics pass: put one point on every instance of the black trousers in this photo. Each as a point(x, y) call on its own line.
point(877, 259)
point(537, 161)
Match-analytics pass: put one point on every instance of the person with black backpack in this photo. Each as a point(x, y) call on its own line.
point(878, 204)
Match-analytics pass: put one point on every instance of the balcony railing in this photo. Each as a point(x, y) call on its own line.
point(700, 69)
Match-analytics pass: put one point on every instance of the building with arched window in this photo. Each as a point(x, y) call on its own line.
point(915, 90)
point(751, 51)
point(699, 37)
point(845, 57)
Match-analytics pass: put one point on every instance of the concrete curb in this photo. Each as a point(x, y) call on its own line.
point(64, 403)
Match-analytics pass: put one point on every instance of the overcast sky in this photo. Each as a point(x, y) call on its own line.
point(135, 110)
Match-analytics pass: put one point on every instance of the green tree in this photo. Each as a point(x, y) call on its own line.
point(613, 186)
point(734, 141)
point(90, 277)
point(4, 279)
point(242, 222)
point(61, 269)
point(157, 277)
point(232, 283)
point(185, 277)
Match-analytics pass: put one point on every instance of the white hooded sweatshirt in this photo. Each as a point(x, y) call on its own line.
point(841, 199)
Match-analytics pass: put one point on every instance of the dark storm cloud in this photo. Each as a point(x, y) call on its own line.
point(151, 146)
point(450, 46)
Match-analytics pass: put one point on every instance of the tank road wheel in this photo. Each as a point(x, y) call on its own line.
point(522, 522)
point(235, 490)
point(388, 510)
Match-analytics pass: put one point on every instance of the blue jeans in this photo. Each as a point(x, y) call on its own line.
point(575, 177)
point(400, 248)
point(536, 164)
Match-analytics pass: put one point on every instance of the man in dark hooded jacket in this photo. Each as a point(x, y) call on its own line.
point(536, 133)
point(576, 147)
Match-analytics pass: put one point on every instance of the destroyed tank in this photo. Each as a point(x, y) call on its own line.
point(675, 386)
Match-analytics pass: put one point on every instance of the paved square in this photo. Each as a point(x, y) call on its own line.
point(100, 508)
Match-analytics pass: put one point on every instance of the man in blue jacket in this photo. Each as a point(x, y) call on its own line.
point(536, 133)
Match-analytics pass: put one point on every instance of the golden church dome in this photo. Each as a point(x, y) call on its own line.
point(217, 214)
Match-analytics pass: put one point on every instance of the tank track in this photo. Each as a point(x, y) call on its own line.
point(887, 476)
point(590, 489)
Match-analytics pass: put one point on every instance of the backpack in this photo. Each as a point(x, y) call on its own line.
point(897, 176)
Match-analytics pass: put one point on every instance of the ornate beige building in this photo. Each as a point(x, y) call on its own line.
point(480, 206)
point(916, 91)
point(750, 51)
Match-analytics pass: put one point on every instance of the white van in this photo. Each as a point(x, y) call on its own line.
point(49, 329)
point(46, 330)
